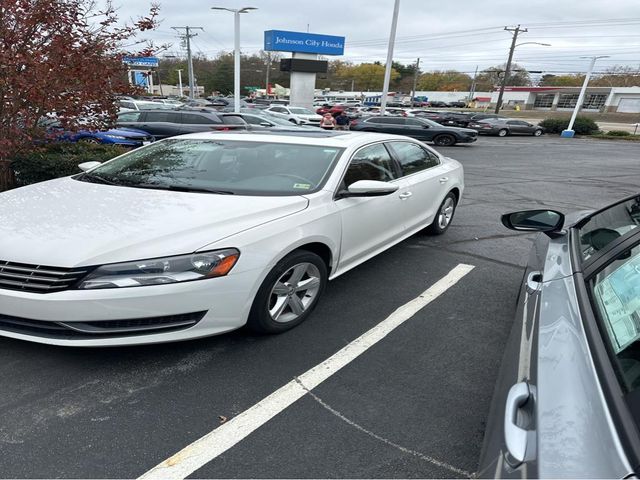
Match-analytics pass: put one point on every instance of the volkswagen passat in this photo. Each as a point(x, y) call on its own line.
point(202, 234)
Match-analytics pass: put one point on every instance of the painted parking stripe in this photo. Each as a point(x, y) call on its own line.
point(218, 441)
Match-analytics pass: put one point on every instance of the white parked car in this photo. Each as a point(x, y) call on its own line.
point(297, 115)
point(204, 233)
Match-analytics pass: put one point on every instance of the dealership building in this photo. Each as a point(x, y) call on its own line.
point(597, 99)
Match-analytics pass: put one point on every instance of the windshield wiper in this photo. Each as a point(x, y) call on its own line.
point(93, 178)
point(180, 188)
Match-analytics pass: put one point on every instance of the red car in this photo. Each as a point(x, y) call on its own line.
point(333, 110)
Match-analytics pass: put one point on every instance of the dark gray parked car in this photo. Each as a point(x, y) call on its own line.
point(505, 126)
point(418, 128)
point(168, 123)
point(567, 400)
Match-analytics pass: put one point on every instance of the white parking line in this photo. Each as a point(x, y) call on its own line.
point(218, 441)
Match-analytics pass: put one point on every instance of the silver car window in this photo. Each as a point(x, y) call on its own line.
point(616, 293)
point(608, 225)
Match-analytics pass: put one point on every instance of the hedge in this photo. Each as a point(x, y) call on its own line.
point(582, 125)
point(56, 160)
point(618, 133)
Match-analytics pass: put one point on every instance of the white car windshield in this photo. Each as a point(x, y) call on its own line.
point(221, 166)
point(300, 111)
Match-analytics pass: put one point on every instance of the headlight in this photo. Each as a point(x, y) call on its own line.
point(160, 271)
point(115, 137)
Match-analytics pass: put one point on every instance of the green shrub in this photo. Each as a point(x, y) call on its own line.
point(618, 133)
point(582, 125)
point(56, 160)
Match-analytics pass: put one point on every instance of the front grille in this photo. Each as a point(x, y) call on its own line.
point(38, 278)
point(99, 329)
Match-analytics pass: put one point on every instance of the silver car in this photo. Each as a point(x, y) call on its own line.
point(567, 400)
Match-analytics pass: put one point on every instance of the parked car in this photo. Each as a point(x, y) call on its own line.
point(266, 120)
point(456, 119)
point(437, 104)
point(137, 105)
point(297, 115)
point(126, 137)
point(419, 128)
point(458, 104)
point(567, 400)
point(429, 114)
point(483, 116)
point(163, 123)
point(505, 126)
point(202, 234)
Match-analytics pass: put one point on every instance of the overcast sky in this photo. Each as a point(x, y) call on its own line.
point(454, 34)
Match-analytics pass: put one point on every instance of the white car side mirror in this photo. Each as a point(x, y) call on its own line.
point(370, 188)
point(86, 166)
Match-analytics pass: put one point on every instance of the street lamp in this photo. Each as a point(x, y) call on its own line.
point(569, 132)
point(236, 58)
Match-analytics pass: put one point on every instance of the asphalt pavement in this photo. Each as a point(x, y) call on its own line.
point(413, 405)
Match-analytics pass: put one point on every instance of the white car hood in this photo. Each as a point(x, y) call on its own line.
point(68, 223)
point(310, 117)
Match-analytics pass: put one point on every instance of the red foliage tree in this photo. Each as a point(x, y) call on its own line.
point(61, 57)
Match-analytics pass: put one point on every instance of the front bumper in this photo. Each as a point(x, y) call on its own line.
point(226, 301)
point(468, 139)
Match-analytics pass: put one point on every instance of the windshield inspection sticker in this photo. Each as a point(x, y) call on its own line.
point(304, 186)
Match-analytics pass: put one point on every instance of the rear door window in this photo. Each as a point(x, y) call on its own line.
point(413, 158)
point(199, 119)
point(129, 117)
point(168, 117)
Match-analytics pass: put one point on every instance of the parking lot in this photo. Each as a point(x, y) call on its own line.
point(412, 405)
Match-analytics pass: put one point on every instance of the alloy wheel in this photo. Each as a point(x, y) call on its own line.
point(446, 213)
point(294, 292)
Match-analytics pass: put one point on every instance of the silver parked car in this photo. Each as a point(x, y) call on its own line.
point(505, 126)
point(567, 401)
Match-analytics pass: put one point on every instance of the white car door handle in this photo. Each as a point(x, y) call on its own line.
point(404, 195)
point(444, 179)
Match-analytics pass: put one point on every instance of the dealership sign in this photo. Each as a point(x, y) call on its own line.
point(283, 41)
point(146, 62)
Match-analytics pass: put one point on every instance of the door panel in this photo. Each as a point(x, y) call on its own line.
point(426, 179)
point(369, 224)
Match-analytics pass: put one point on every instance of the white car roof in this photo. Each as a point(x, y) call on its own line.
point(341, 139)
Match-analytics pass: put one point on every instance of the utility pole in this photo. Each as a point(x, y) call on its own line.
point(180, 82)
point(415, 80)
point(507, 69)
point(187, 36)
point(387, 71)
point(473, 85)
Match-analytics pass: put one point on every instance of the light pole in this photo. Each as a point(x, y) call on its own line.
point(180, 82)
point(236, 57)
point(387, 71)
point(569, 133)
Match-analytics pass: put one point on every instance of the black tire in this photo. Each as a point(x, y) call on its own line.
point(438, 227)
point(444, 140)
point(92, 140)
point(293, 121)
point(260, 319)
point(537, 133)
point(503, 132)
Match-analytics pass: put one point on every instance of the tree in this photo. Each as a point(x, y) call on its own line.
point(574, 80)
point(491, 78)
point(618, 76)
point(366, 76)
point(62, 57)
point(448, 81)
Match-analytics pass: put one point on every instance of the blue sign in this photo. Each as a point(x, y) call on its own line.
point(147, 62)
point(283, 41)
point(141, 79)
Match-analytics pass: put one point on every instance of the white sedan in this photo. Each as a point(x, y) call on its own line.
point(204, 233)
point(297, 115)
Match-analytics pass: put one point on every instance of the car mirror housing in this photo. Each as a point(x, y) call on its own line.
point(369, 188)
point(86, 166)
point(548, 221)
